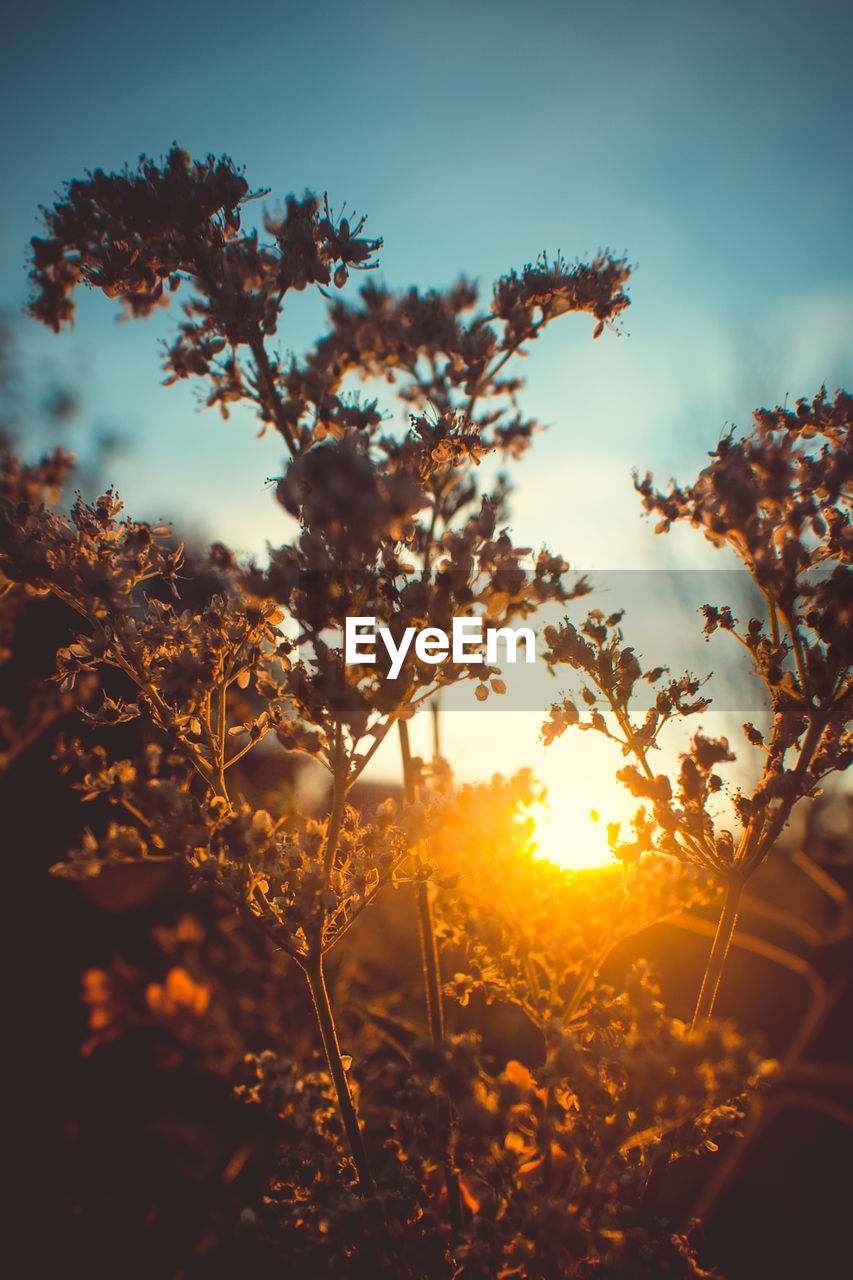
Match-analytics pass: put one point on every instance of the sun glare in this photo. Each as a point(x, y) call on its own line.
point(566, 835)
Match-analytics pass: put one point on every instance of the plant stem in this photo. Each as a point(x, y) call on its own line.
point(220, 738)
point(267, 377)
point(432, 983)
point(339, 795)
point(719, 950)
point(312, 967)
point(429, 950)
point(313, 970)
point(435, 709)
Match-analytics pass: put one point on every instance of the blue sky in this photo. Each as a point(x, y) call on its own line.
point(710, 142)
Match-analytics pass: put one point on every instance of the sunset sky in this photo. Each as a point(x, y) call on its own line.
point(711, 143)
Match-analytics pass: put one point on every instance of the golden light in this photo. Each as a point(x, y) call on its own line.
point(570, 836)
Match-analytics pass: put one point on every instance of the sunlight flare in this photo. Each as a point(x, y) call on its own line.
point(566, 835)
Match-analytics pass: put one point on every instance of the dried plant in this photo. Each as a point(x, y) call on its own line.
point(780, 498)
point(419, 1154)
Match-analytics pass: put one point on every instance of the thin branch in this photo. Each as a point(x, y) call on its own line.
point(267, 377)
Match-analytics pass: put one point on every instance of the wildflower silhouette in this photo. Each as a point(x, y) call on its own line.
point(780, 498)
point(414, 1153)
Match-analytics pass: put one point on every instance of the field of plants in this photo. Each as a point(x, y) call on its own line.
point(362, 1030)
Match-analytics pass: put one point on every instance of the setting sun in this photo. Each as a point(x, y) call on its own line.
point(567, 836)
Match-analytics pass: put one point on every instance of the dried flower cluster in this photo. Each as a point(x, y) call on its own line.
point(780, 498)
